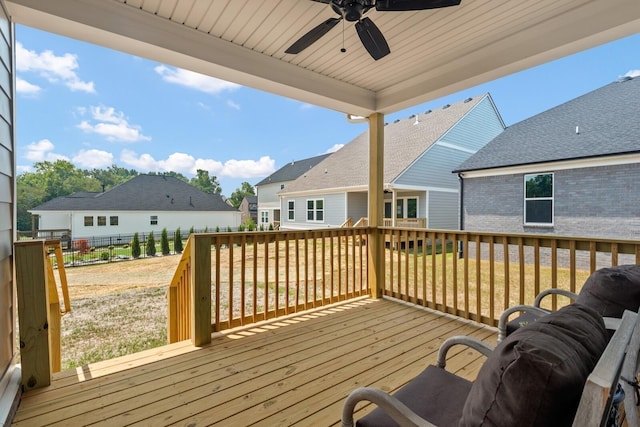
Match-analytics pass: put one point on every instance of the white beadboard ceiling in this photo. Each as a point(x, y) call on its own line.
point(433, 52)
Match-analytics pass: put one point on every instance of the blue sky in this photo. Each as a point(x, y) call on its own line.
point(96, 107)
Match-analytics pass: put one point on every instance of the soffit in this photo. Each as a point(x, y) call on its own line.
point(433, 52)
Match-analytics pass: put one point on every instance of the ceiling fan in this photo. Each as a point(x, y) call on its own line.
point(370, 35)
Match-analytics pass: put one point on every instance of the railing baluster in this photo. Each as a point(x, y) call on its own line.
point(492, 280)
point(506, 263)
point(230, 285)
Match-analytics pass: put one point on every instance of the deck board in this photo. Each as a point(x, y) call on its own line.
point(293, 371)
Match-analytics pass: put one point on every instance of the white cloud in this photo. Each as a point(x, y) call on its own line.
point(112, 125)
point(333, 149)
point(41, 151)
point(53, 68)
point(195, 81)
point(26, 88)
point(187, 164)
point(93, 159)
point(632, 73)
point(233, 105)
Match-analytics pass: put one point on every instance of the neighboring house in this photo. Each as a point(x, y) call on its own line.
point(419, 154)
point(249, 208)
point(268, 188)
point(573, 170)
point(143, 204)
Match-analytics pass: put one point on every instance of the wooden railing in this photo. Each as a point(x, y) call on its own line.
point(405, 222)
point(249, 277)
point(39, 309)
point(478, 275)
point(179, 299)
point(254, 276)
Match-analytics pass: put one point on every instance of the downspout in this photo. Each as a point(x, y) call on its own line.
point(461, 213)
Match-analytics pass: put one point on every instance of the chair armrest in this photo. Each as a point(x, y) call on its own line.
point(472, 342)
point(553, 291)
point(397, 410)
point(504, 317)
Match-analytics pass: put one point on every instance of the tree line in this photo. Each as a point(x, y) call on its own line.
point(50, 180)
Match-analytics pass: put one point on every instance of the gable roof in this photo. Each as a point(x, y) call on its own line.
point(404, 141)
point(141, 193)
point(293, 170)
point(600, 123)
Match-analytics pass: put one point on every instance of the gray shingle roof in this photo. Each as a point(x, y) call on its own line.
point(405, 140)
point(142, 193)
point(607, 122)
point(293, 170)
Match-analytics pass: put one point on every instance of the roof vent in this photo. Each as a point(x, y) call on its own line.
point(386, 123)
point(446, 106)
point(396, 120)
point(468, 100)
point(412, 116)
point(624, 79)
point(427, 112)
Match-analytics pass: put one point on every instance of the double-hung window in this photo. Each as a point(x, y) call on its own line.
point(315, 210)
point(291, 210)
point(538, 199)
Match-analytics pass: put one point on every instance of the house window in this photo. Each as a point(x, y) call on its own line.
point(538, 199)
point(282, 186)
point(88, 221)
point(154, 219)
point(113, 220)
point(102, 221)
point(315, 210)
point(407, 207)
point(264, 217)
point(291, 210)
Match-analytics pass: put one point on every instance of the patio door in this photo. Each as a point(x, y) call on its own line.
point(407, 207)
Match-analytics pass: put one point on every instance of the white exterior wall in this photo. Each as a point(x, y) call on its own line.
point(130, 222)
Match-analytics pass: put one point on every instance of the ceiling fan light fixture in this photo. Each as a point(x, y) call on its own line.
point(353, 11)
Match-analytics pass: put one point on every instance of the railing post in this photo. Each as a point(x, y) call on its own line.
point(201, 290)
point(376, 207)
point(33, 313)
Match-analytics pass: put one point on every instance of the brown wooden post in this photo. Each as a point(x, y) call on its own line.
point(33, 313)
point(201, 290)
point(376, 203)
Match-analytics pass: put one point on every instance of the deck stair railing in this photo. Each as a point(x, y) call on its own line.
point(39, 309)
point(226, 280)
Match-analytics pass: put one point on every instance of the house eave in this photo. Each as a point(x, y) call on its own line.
point(578, 163)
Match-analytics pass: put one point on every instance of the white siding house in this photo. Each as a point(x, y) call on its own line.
point(269, 211)
point(420, 154)
point(145, 203)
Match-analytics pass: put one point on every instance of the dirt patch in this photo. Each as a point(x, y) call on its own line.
point(102, 279)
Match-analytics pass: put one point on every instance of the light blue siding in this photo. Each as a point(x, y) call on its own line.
point(357, 205)
point(433, 168)
point(334, 211)
point(441, 205)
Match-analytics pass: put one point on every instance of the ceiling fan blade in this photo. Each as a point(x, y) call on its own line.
point(404, 5)
point(372, 38)
point(312, 36)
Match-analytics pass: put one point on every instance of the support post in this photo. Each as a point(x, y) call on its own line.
point(33, 313)
point(201, 290)
point(376, 204)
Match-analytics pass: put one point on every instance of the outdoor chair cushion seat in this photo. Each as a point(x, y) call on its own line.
point(612, 290)
point(436, 395)
point(536, 375)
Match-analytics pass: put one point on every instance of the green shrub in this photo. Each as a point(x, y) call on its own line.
point(191, 230)
point(135, 246)
point(104, 256)
point(151, 245)
point(164, 242)
point(217, 229)
point(177, 241)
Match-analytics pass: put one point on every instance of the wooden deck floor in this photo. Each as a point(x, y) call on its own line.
point(295, 371)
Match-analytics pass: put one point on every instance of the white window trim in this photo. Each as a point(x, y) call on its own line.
point(291, 210)
point(315, 210)
point(405, 206)
point(552, 198)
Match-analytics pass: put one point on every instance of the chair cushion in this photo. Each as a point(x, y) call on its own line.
point(436, 395)
point(536, 375)
point(612, 290)
point(525, 318)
